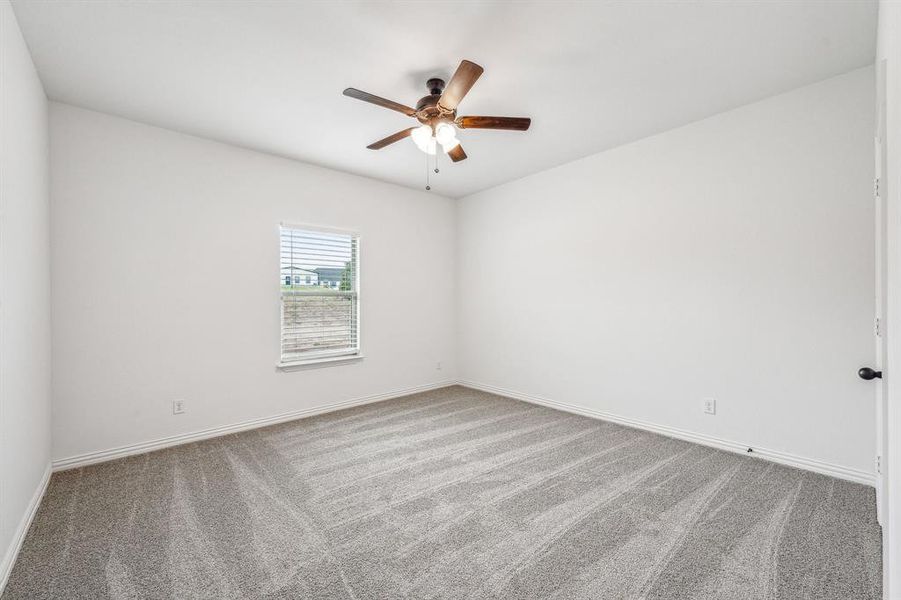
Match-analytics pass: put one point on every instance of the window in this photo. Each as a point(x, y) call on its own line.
point(319, 323)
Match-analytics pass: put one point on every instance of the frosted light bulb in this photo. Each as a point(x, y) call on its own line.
point(421, 137)
point(445, 134)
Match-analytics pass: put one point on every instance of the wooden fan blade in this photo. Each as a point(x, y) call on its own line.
point(459, 85)
point(512, 123)
point(367, 97)
point(394, 137)
point(457, 153)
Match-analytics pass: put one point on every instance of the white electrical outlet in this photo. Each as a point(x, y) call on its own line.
point(438, 366)
point(710, 406)
point(178, 407)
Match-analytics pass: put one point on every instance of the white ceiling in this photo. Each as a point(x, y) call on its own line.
point(269, 75)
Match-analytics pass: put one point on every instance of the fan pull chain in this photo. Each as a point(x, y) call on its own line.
point(436, 161)
point(427, 186)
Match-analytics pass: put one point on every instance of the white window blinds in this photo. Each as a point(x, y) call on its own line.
point(320, 301)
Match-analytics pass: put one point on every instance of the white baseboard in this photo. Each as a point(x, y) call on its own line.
point(81, 460)
point(785, 458)
point(792, 460)
point(9, 559)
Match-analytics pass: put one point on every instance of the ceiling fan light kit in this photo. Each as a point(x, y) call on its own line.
point(437, 113)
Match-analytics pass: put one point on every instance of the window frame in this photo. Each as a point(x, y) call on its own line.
point(323, 357)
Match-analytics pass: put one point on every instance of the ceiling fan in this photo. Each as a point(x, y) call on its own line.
point(438, 114)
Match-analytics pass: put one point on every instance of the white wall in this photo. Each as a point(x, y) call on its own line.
point(24, 287)
point(166, 285)
point(732, 258)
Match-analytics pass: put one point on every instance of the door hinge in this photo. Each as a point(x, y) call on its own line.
point(876, 186)
point(877, 327)
point(878, 464)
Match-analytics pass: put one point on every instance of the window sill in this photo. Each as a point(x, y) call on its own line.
point(318, 362)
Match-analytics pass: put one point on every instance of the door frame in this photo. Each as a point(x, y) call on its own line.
point(888, 70)
point(879, 322)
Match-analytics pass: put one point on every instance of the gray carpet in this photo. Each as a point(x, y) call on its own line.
point(449, 494)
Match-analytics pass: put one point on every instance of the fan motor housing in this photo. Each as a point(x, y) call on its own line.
point(427, 102)
point(427, 109)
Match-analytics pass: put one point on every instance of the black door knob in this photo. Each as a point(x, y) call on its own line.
point(868, 374)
